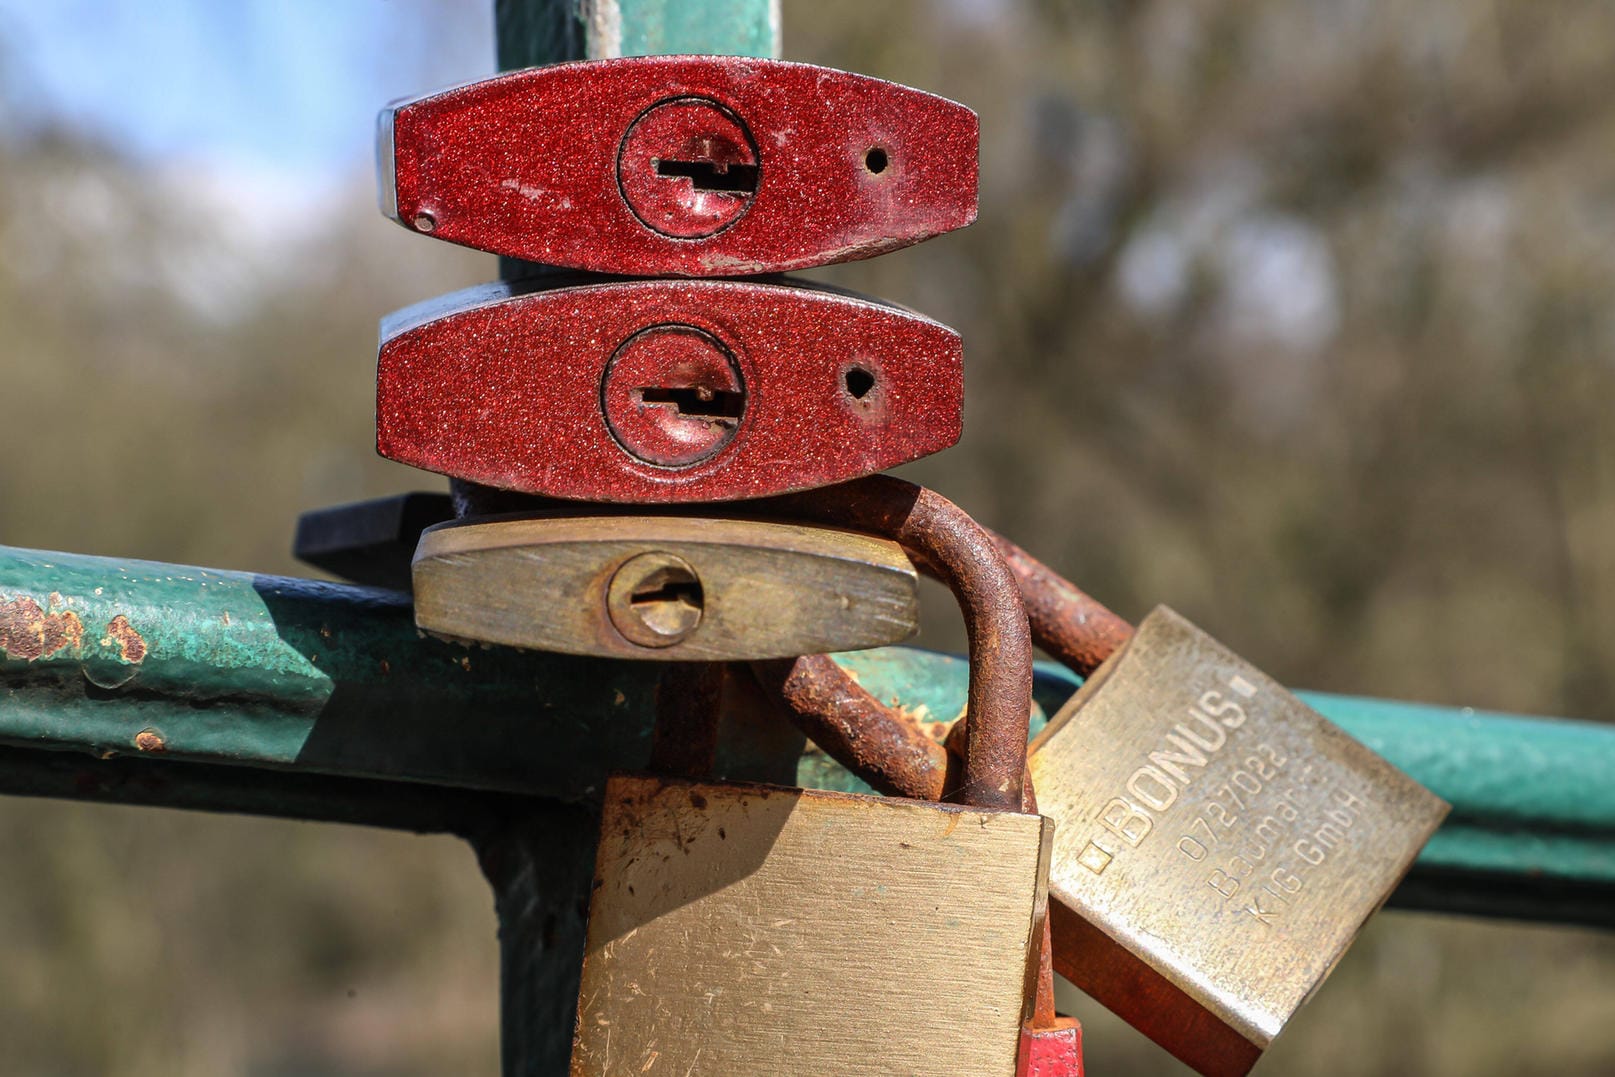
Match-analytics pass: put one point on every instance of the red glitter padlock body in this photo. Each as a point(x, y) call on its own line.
point(1055, 1051)
point(680, 165)
point(664, 390)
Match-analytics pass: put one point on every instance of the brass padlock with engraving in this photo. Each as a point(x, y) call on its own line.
point(763, 931)
point(1220, 843)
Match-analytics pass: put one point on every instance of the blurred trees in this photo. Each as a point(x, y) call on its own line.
point(1293, 315)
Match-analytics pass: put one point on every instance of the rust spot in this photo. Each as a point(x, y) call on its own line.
point(131, 644)
point(149, 740)
point(225, 617)
point(697, 801)
point(386, 667)
point(61, 631)
point(29, 632)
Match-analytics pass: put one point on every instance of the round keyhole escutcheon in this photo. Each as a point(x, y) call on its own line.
point(672, 396)
point(655, 599)
point(688, 168)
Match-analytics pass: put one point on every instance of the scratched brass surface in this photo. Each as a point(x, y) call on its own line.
point(1219, 843)
point(759, 931)
point(766, 590)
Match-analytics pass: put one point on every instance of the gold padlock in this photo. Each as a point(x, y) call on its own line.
point(670, 588)
point(762, 931)
point(1220, 843)
point(740, 930)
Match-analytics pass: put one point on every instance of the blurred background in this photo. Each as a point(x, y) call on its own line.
point(1295, 315)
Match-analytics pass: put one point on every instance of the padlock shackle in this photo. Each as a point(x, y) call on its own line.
point(890, 752)
point(885, 747)
point(1067, 623)
point(684, 739)
point(961, 554)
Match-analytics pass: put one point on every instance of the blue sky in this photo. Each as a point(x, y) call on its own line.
point(273, 86)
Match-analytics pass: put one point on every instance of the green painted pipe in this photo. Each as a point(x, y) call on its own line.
point(1531, 834)
point(232, 668)
point(120, 656)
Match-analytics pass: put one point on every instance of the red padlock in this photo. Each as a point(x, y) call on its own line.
point(664, 390)
point(680, 165)
point(1054, 1050)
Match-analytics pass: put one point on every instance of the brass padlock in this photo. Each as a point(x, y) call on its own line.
point(663, 587)
point(1220, 843)
point(742, 930)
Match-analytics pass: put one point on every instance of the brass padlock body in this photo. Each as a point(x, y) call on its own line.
point(670, 588)
point(761, 931)
point(1219, 843)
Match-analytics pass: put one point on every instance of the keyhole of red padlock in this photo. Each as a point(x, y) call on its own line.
point(672, 396)
point(688, 168)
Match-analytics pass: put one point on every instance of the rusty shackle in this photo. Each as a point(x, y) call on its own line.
point(887, 749)
point(881, 744)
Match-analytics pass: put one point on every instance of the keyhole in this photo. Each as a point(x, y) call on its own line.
point(711, 176)
point(696, 402)
point(683, 593)
point(655, 599)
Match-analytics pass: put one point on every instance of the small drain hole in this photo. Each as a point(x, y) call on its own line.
point(859, 382)
point(876, 160)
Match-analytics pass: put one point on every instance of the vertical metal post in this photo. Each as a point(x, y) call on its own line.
point(541, 866)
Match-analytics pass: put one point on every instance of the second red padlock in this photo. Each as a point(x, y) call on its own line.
point(664, 390)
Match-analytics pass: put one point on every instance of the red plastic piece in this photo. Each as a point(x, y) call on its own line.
point(715, 390)
point(680, 165)
point(1055, 1051)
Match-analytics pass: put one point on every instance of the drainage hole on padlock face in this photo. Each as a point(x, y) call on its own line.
point(709, 175)
point(697, 402)
point(876, 161)
point(859, 382)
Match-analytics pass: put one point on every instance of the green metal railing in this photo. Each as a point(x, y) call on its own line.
point(329, 687)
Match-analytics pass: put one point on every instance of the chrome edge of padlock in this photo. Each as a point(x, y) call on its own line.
point(1219, 843)
point(386, 191)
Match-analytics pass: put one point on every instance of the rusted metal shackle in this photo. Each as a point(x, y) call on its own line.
point(962, 555)
point(1068, 624)
point(887, 748)
point(875, 742)
point(684, 739)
